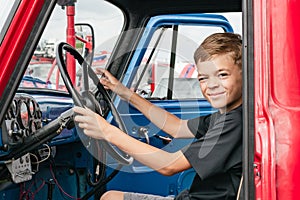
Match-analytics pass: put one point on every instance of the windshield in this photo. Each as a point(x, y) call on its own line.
point(106, 21)
point(7, 10)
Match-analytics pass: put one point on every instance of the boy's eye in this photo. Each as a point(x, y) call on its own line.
point(223, 75)
point(202, 78)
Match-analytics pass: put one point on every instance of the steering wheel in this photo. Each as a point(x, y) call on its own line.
point(87, 98)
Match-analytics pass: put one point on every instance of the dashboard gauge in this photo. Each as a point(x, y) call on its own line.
point(14, 109)
point(38, 114)
point(16, 133)
point(33, 127)
point(24, 114)
point(12, 112)
point(8, 115)
point(26, 132)
point(31, 108)
point(14, 127)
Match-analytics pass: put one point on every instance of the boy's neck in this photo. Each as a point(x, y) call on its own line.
point(229, 108)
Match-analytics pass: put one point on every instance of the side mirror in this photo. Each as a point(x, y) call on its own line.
point(85, 41)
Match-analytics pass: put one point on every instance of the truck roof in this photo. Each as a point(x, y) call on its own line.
point(154, 7)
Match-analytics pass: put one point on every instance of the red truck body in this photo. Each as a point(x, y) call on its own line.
point(276, 91)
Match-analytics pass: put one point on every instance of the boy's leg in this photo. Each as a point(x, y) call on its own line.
point(112, 195)
point(118, 195)
point(140, 196)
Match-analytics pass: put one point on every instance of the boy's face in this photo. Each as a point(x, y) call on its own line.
point(221, 82)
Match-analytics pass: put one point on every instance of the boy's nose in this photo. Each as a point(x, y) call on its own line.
point(212, 82)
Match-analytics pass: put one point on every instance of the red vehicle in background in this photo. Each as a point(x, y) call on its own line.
point(37, 127)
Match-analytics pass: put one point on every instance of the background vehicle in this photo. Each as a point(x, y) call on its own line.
point(42, 155)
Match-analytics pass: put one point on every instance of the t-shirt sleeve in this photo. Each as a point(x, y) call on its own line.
point(210, 154)
point(199, 126)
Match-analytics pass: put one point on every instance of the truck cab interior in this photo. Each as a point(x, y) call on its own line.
point(49, 53)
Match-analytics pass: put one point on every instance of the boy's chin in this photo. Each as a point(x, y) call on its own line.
point(220, 107)
point(218, 104)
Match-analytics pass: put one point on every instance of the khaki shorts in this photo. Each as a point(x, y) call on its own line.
point(139, 196)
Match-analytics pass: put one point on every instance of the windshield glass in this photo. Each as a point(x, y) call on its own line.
point(7, 10)
point(101, 20)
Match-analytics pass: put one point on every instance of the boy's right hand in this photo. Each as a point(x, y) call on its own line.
point(113, 84)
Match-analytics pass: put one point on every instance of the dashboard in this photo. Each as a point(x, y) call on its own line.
point(29, 113)
point(23, 119)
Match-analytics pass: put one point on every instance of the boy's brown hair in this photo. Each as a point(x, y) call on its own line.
point(219, 44)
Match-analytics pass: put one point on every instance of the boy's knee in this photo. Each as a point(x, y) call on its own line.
point(112, 195)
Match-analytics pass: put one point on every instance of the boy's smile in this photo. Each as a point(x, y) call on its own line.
point(221, 82)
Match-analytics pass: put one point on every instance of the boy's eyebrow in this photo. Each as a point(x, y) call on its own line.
point(223, 69)
point(219, 70)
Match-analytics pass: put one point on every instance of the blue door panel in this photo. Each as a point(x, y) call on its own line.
point(140, 178)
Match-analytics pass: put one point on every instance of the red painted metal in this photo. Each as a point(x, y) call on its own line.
point(284, 31)
point(277, 97)
point(71, 65)
point(264, 136)
point(15, 38)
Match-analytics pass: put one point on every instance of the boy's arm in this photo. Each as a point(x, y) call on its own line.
point(97, 127)
point(164, 162)
point(164, 120)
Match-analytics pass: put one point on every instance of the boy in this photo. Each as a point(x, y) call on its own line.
point(216, 155)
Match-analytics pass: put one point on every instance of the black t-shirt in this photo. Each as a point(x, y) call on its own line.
point(216, 156)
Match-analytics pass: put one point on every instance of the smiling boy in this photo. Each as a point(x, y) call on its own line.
point(220, 70)
point(216, 154)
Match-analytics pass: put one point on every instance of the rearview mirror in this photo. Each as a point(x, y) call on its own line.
point(85, 41)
